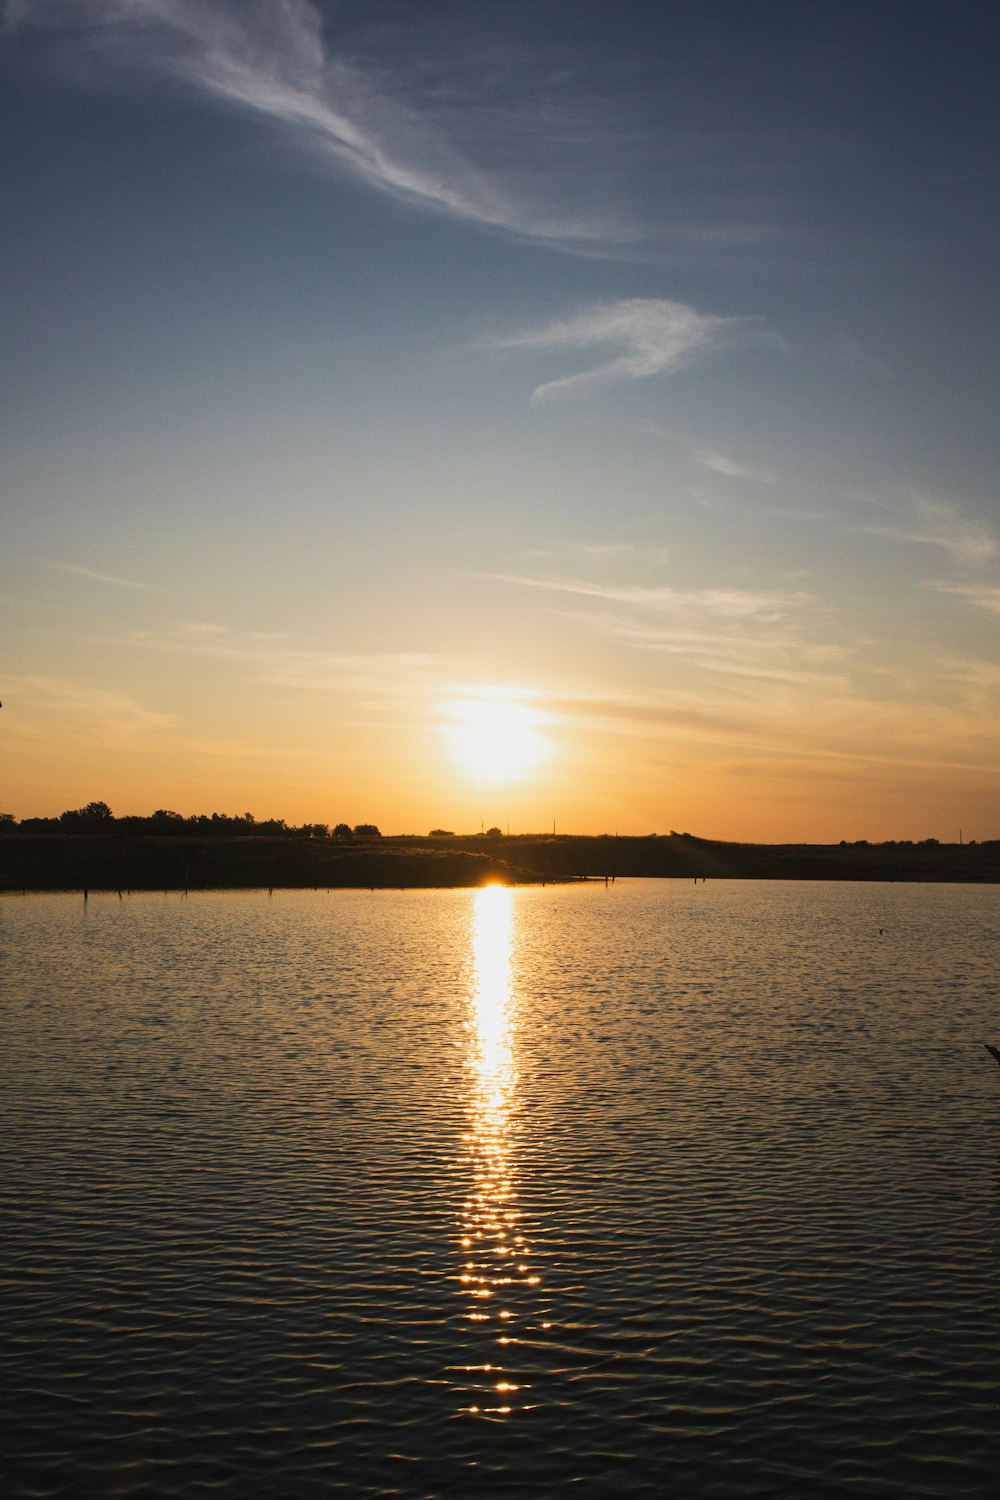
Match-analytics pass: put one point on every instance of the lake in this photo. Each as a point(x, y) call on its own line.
point(654, 1188)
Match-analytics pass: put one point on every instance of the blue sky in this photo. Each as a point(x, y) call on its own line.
point(618, 379)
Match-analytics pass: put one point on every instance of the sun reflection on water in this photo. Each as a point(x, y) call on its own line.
point(495, 1265)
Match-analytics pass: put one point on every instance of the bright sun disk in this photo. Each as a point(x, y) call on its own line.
point(495, 739)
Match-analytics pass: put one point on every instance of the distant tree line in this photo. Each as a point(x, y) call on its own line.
point(97, 817)
point(901, 843)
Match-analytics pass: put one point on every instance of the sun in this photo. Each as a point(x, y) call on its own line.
point(494, 737)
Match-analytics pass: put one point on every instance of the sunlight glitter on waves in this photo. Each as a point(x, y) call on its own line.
point(496, 1262)
point(491, 1001)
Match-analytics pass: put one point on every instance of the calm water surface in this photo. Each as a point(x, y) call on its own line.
point(654, 1189)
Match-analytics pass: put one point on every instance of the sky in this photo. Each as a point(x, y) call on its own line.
point(574, 413)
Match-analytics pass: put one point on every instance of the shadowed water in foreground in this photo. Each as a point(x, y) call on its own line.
point(456, 1193)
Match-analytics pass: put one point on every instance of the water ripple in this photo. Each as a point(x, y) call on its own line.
point(457, 1193)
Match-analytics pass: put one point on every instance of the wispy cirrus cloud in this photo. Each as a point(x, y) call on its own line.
point(276, 660)
point(44, 707)
point(654, 336)
point(973, 682)
point(274, 59)
point(927, 521)
point(716, 603)
point(718, 463)
point(121, 583)
point(745, 634)
point(983, 596)
point(850, 354)
point(649, 553)
point(603, 552)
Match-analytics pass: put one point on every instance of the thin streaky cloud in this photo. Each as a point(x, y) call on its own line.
point(982, 597)
point(969, 545)
point(121, 583)
point(768, 653)
point(977, 677)
point(271, 58)
point(851, 355)
point(731, 604)
point(606, 550)
point(85, 712)
point(622, 551)
point(276, 661)
point(720, 464)
point(201, 630)
point(894, 734)
point(931, 521)
point(654, 334)
point(753, 636)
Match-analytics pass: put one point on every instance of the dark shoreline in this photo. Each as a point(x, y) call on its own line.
point(127, 861)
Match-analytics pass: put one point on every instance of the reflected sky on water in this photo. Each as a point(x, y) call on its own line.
point(513, 1192)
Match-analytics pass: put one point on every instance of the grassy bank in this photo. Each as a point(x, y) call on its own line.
point(126, 861)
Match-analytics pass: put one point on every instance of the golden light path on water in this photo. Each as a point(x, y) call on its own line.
point(495, 1265)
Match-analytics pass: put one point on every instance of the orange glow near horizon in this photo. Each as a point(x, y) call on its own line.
point(448, 753)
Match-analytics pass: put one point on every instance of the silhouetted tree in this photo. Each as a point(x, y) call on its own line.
point(342, 831)
point(96, 817)
point(494, 833)
point(366, 831)
point(165, 821)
